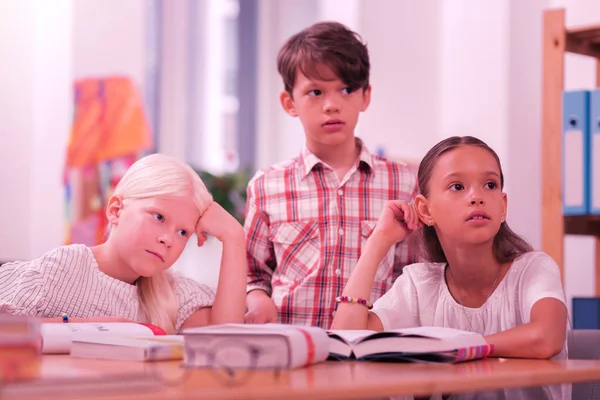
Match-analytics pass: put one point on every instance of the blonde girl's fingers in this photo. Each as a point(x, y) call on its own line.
point(202, 239)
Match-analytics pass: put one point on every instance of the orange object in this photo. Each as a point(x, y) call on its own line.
point(110, 132)
point(109, 121)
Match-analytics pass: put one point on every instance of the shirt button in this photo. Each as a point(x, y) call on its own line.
point(340, 192)
point(341, 232)
point(338, 271)
point(333, 314)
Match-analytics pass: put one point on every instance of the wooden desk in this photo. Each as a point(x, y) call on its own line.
point(330, 380)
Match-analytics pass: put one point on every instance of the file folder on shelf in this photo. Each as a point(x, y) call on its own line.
point(576, 153)
point(594, 126)
point(586, 313)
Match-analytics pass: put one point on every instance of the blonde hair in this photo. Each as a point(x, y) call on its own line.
point(161, 176)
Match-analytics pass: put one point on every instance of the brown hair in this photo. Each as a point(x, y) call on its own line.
point(325, 43)
point(507, 244)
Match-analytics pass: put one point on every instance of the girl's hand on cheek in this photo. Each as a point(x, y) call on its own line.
point(398, 219)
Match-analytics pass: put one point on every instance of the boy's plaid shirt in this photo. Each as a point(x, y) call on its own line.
point(305, 231)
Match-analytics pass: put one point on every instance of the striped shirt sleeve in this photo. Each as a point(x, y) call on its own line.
point(22, 287)
point(191, 296)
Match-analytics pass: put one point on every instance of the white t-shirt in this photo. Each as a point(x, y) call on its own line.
point(68, 280)
point(420, 297)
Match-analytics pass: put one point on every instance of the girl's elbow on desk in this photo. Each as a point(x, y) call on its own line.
point(547, 345)
point(535, 344)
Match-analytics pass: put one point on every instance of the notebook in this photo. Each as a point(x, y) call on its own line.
point(420, 344)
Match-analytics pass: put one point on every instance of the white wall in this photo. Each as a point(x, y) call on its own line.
point(36, 109)
point(474, 72)
point(404, 114)
point(109, 38)
point(523, 127)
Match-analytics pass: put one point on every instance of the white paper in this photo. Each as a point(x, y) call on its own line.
point(573, 167)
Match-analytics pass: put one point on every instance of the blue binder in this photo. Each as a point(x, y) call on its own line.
point(576, 152)
point(595, 152)
point(586, 313)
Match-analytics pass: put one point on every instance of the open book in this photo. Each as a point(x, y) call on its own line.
point(249, 346)
point(421, 344)
point(58, 337)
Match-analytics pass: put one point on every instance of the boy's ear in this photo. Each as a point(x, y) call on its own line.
point(366, 98)
point(113, 210)
point(422, 207)
point(287, 102)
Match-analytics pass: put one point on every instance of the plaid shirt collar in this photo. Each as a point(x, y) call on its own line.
point(308, 159)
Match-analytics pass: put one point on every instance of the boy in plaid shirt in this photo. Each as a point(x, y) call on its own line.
point(309, 218)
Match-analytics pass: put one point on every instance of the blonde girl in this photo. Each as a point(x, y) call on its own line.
point(155, 208)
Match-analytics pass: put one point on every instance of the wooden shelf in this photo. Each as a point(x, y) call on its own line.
point(585, 33)
point(557, 41)
point(584, 41)
point(582, 225)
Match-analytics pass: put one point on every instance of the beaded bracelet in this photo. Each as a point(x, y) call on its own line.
point(65, 318)
point(350, 299)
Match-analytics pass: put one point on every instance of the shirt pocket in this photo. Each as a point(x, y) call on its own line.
point(384, 270)
point(297, 248)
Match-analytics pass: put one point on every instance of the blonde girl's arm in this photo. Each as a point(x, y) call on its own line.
point(229, 302)
point(230, 299)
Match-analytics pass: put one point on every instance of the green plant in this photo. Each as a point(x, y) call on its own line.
point(228, 190)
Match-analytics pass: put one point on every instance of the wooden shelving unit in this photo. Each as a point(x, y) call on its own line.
point(557, 41)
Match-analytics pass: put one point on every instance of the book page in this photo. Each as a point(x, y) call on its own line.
point(435, 332)
point(351, 335)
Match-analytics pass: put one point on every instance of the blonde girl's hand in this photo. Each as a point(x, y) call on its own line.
point(397, 220)
point(217, 222)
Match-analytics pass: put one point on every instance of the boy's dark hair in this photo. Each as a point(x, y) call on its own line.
point(507, 244)
point(325, 43)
